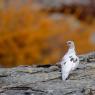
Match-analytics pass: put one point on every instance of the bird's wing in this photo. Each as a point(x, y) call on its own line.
point(70, 59)
point(67, 65)
point(75, 61)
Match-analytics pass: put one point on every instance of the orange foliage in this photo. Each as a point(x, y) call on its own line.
point(28, 37)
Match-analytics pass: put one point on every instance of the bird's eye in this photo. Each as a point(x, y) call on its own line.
point(69, 42)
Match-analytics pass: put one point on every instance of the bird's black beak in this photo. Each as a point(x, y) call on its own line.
point(66, 43)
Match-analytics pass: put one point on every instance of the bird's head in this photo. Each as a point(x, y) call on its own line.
point(70, 44)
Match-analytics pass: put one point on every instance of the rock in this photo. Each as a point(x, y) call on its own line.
point(89, 57)
point(46, 80)
point(54, 68)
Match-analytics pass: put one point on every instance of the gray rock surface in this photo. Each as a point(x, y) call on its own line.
point(27, 80)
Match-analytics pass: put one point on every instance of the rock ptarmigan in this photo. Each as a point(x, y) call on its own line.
point(70, 61)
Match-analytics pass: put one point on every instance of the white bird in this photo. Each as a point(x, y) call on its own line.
point(70, 61)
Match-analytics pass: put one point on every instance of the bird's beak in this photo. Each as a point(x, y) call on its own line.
point(66, 43)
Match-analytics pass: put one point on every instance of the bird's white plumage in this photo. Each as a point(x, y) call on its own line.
point(70, 61)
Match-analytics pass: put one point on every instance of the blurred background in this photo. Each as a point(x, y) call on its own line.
point(35, 31)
